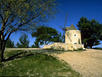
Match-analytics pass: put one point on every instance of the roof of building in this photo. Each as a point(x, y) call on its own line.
point(72, 27)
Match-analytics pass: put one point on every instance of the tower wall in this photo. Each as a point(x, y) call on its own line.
point(73, 37)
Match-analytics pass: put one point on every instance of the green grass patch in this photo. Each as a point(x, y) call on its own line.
point(35, 65)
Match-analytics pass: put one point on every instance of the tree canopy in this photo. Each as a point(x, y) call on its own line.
point(23, 42)
point(21, 15)
point(44, 35)
point(91, 31)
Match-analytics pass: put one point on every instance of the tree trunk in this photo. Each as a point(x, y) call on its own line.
point(85, 45)
point(2, 49)
point(0, 57)
point(0, 52)
point(90, 46)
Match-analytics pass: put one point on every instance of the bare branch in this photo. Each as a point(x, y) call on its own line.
point(9, 34)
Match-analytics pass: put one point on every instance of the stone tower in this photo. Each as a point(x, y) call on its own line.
point(73, 37)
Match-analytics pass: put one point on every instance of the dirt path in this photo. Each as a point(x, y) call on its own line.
point(87, 63)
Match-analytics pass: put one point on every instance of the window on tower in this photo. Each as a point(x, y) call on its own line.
point(74, 34)
point(79, 41)
point(75, 43)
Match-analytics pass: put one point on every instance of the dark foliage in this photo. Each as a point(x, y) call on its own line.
point(10, 44)
point(44, 35)
point(91, 31)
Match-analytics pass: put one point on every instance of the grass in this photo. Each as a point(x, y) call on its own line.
point(33, 64)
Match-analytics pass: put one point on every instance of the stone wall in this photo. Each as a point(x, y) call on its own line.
point(63, 46)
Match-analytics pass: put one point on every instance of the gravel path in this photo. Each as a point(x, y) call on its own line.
point(88, 63)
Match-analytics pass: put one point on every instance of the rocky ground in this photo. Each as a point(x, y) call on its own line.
point(88, 63)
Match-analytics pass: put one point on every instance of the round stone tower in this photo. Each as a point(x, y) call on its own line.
point(73, 37)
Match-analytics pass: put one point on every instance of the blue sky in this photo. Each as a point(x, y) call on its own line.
point(92, 9)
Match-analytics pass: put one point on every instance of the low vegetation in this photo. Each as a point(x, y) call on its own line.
point(23, 63)
point(98, 48)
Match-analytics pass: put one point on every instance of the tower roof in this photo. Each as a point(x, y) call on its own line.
point(72, 27)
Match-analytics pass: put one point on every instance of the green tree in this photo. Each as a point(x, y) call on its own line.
point(44, 35)
point(91, 32)
point(24, 42)
point(21, 15)
point(10, 44)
